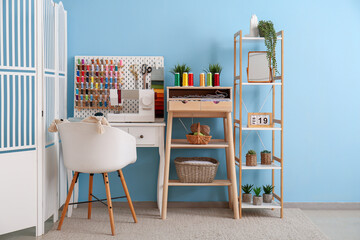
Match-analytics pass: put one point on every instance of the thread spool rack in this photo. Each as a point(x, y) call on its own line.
point(94, 76)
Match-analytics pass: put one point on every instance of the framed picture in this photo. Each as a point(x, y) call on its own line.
point(258, 70)
point(260, 120)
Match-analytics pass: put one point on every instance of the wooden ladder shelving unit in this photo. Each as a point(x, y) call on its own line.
point(277, 162)
point(198, 108)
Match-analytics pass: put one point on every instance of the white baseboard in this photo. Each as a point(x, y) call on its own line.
point(301, 205)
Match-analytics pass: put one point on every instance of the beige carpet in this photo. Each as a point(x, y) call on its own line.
point(188, 223)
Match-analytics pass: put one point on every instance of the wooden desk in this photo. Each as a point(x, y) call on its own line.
point(147, 135)
point(180, 105)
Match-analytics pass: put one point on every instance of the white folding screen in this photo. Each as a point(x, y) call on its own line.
point(32, 93)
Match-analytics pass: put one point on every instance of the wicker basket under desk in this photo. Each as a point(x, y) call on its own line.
point(196, 172)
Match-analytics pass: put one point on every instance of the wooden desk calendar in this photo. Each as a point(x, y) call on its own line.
point(260, 120)
point(201, 102)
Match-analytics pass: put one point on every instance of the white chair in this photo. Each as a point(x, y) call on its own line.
point(87, 151)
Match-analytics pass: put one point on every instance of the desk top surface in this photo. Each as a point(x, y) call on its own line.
point(159, 122)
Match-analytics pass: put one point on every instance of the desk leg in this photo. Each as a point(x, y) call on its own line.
point(227, 163)
point(231, 154)
point(167, 164)
point(161, 168)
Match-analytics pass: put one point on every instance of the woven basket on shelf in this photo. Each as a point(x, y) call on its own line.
point(266, 158)
point(251, 160)
point(198, 139)
point(196, 172)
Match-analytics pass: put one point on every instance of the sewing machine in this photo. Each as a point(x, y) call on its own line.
point(146, 111)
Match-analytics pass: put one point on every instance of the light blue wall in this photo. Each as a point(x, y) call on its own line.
point(322, 103)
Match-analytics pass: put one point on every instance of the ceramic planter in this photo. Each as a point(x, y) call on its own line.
point(251, 160)
point(266, 158)
point(257, 200)
point(246, 197)
point(267, 198)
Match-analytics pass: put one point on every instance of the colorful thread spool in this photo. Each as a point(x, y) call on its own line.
point(202, 79)
point(217, 79)
point(185, 79)
point(209, 79)
point(191, 79)
point(78, 79)
point(177, 79)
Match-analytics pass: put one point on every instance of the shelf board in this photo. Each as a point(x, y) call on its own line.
point(224, 182)
point(260, 84)
point(245, 128)
point(256, 38)
point(259, 166)
point(183, 143)
point(264, 205)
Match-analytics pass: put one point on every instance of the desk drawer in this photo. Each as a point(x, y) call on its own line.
point(216, 106)
point(144, 135)
point(184, 105)
point(125, 129)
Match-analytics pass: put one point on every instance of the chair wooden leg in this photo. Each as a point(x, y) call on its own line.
point(127, 195)
point(90, 192)
point(109, 203)
point(68, 200)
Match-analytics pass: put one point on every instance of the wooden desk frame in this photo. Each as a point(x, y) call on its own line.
point(227, 143)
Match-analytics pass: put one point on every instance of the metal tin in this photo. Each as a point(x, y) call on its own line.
point(217, 79)
point(209, 79)
point(177, 79)
point(185, 79)
point(202, 79)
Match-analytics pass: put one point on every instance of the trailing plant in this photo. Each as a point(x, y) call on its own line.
point(266, 151)
point(266, 30)
point(214, 68)
point(180, 69)
point(251, 152)
point(257, 191)
point(268, 189)
point(247, 188)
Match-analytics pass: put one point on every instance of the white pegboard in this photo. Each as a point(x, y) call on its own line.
point(129, 106)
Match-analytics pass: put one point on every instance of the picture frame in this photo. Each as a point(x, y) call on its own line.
point(258, 70)
point(261, 119)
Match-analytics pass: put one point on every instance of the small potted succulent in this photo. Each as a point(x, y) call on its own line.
point(267, 196)
point(257, 198)
point(214, 68)
point(246, 196)
point(266, 157)
point(180, 68)
point(251, 158)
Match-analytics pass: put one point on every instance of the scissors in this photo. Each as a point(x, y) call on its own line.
point(145, 69)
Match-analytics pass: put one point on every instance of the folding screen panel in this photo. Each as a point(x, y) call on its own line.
point(18, 108)
point(32, 94)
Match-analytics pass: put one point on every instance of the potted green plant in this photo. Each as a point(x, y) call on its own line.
point(246, 196)
point(267, 30)
point(214, 68)
point(267, 196)
point(251, 158)
point(180, 68)
point(257, 198)
point(266, 157)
